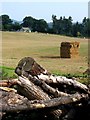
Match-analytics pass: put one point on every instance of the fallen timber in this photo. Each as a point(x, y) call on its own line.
point(37, 89)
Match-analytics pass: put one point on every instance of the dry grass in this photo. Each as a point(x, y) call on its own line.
point(45, 49)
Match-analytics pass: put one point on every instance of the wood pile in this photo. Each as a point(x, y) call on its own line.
point(49, 96)
point(69, 49)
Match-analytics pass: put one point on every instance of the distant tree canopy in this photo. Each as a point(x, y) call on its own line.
point(34, 24)
point(6, 24)
point(65, 26)
point(61, 26)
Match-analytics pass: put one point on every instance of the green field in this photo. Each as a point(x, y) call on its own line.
point(45, 49)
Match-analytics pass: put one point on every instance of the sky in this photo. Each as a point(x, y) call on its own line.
point(45, 10)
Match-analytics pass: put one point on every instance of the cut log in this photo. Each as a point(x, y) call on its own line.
point(47, 88)
point(37, 89)
point(8, 89)
point(64, 81)
point(13, 102)
point(38, 93)
point(29, 67)
point(8, 83)
point(32, 92)
point(29, 90)
point(61, 81)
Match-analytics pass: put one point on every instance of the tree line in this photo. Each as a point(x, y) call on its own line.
point(61, 26)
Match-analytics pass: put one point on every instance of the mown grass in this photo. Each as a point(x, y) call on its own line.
point(45, 49)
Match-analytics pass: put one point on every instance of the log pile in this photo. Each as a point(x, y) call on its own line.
point(49, 96)
point(69, 49)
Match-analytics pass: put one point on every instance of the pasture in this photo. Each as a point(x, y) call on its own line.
point(45, 49)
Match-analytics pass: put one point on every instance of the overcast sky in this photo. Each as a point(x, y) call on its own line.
point(45, 10)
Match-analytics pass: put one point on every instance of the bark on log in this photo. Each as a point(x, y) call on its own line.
point(24, 82)
point(29, 90)
point(47, 88)
point(8, 83)
point(29, 67)
point(13, 102)
point(35, 84)
point(64, 81)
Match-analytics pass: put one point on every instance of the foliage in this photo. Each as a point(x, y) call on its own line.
point(62, 26)
point(28, 22)
point(6, 22)
point(16, 26)
point(65, 26)
point(35, 25)
point(77, 29)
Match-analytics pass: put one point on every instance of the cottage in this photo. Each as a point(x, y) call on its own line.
point(25, 29)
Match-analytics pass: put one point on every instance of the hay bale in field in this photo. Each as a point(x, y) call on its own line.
point(69, 49)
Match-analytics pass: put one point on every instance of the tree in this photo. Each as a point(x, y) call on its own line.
point(84, 24)
point(42, 26)
point(55, 28)
point(34, 24)
point(6, 22)
point(28, 22)
point(86, 27)
point(89, 27)
point(16, 26)
point(62, 25)
point(67, 25)
point(77, 29)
